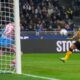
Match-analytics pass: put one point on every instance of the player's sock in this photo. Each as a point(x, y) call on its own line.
point(13, 49)
point(67, 55)
point(13, 63)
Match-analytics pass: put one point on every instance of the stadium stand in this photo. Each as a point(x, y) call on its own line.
point(44, 15)
point(49, 15)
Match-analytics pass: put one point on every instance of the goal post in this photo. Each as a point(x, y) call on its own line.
point(17, 37)
point(10, 47)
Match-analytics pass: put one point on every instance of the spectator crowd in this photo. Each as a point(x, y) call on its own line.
point(42, 15)
point(45, 15)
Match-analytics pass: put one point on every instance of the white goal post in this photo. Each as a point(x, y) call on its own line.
point(10, 48)
point(17, 37)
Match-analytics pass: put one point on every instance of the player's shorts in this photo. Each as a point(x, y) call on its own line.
point(77, 44)
point(5, 42)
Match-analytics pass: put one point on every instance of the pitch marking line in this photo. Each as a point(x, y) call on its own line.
point(42, 77)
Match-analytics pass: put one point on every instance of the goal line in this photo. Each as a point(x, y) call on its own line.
point(40, 77)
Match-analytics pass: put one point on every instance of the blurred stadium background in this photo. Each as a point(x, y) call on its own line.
point(41, 22)
point(41, 43)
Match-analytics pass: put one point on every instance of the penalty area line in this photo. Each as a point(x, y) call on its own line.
point(42, 77)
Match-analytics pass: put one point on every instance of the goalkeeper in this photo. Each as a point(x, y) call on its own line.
point(75, 45)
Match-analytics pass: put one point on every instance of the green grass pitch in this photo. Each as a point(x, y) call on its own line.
point(47, 65)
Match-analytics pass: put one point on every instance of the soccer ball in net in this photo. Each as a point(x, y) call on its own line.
point(63, 32)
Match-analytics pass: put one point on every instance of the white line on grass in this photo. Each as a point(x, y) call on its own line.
point(42, 77)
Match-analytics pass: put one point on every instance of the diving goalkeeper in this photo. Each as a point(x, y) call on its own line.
point(75, 45)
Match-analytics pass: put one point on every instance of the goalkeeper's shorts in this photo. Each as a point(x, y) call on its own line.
point(77, 44)
point(6, 42)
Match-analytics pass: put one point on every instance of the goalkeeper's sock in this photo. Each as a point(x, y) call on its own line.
point(67, 55)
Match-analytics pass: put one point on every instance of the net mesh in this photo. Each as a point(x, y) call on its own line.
point(7, 52)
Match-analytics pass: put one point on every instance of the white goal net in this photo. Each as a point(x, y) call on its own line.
point(9, 46)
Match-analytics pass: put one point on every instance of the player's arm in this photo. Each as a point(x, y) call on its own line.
point(74, 36)
point(8, 31)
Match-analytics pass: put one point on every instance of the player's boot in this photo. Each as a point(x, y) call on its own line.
point(62, 59)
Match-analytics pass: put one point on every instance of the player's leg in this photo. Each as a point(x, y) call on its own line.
point(13, 63)
point(1, 53)
point(11, 48)
point(68, 53)
point(2, 44)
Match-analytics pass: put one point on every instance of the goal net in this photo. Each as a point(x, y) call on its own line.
point(9, 37)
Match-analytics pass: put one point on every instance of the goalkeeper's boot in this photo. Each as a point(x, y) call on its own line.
point(62, 59)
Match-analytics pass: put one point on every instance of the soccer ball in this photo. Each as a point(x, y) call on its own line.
point(64, 32)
